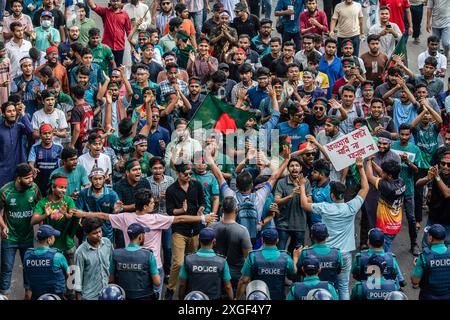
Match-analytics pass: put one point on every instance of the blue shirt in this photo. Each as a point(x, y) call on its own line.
point(321, 194)
point(291, 26)
point(297, 135)
point(256, 96)
point(87, 201)
point(153, 141)
point(46, 160)
point(94, 77)
point(334, 71)
point(29, 97)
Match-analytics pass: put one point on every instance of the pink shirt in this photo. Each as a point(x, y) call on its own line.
point(156, 222)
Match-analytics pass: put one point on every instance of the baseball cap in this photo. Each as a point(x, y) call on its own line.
point(46, 13)
point(437, 231)
point(311, 265)
point(376, 237)
point(319, 231)
point(207, 235)
point(136, 229)
point(224, 66)
point(46, 231)
point(270, 234)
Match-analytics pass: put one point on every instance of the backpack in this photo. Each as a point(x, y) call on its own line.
point(247, 215)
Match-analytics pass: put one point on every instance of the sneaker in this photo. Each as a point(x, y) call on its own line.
point(169, 294)
point(418, 226)
point(414, 250)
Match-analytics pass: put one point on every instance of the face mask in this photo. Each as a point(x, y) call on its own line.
point(46, 23)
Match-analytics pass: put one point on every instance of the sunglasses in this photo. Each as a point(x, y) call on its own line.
point(445, 164)
point(319, 108)
point(187, 174)
point(299, 116)
point(165, 3)
point(309, 154)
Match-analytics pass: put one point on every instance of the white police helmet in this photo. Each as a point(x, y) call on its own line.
point(3, 297)
point(196, 295)
point(49, 296)
point(396, 295)
point(319, 294)
point(257, 290)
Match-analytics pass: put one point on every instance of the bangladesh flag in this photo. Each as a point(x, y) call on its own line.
point(400, 50)
point(218, 115)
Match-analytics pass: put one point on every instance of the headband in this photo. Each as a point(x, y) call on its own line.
point(131, 165)
point(113, 85)
point(92, 140)
point(321, 102)
point(195, 81)
point(97, 172)
point(286, 141)
point(333, 120)
point(25, 60)
point(224, 13)
point(368, 86)
point(446, 156)
point(384, 139)
point(142, 70)
point(46, 128)
point(140, 141)
point(115, 73)
point(61, 181)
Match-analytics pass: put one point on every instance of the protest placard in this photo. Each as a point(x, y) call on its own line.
point(343, 151)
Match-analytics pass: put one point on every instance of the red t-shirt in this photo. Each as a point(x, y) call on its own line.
point(397, 8)
point(84, 115)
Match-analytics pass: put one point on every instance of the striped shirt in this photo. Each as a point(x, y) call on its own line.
point(157, 188)
point(162, 19)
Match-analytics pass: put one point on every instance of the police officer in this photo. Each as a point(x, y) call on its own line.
point(311, 268)
point(135, 268)
point(269, 265)
point(432, 267)
point(257, 290)
point(376, 287)
point(330, 258)
point(205, 271)
point(376, 245)
point(45, 267)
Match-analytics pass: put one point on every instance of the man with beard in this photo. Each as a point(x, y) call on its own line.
point(389, 87)
point(352, 77)
point(223, 34)
point(308, 88)
point(353, 111)
point(173, 85)
point(85, 24)
point(154, 68)
point(389, 32)
point(166, 13)
point(212, 22)
point(117, 23)
point(244, 22)
point(44, 157)
point(99, 198)
point(202, 65)
point(50, 115)
point(236, 58)
point(291, 222)
point(313, 21)
point(101, 53)
point(56, 210)
point(12, 140)
point(317, 118)
point(365, 96)
point(158, 137)
point(187, 24)
point(374, 60)
point(58, 70)
point(330, 64)
point(434, 84)
point(409, 167)
point(442, 149)
point(301, 57)
point(195, 97)
point(261, 42)
point(433, 51)
point(439, 204)
point(257, 93)
point(64, 47)
point(347, 52)
point(279, 67)
point(295, 128)
point(379, 122)
point(273, 54)
point(16, 16)
point(17, 202)
point(95, 72)
point(183, 49)
point(167, 42)
point(82, 117)
point(17, 48)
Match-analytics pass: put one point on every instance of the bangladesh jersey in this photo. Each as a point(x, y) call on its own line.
point(102, 55)
point(427, 141)
point(57, 220)
point(145, 164)
point(18, 209)
point(390, 202)
point(84, 115)
point(122, 148)
point(406, 173)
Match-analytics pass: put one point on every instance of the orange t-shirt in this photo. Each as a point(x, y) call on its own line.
point(187, 25)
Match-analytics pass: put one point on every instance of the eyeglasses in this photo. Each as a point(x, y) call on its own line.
point(319, 108)
point(165, 3)
point(309, 154)
point(445, 164)
point(187, 174)
point(299, 116)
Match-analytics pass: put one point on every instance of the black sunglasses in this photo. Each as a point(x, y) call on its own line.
point(299, 115)
point(445, 164)
point(186, 174)
point(309, 154)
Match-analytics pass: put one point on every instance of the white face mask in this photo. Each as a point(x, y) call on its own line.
point(46, 23)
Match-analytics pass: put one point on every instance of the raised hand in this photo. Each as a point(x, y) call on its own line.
point(359, 162)
point(109, 97)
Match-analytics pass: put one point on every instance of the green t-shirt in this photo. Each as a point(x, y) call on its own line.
point(76, 179)
point(67, 227)
point(145, 164)
point(64, 98)
point(427, 141)
point(210, 188)
point(18, 209)
point(406, 173)
point(122, 148)
point(183, 55)
point(102, 55)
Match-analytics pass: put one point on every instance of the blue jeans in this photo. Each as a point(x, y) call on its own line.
point(444, 35)
point(425, 242)
point(158, 290)
point(197, 18)
point(8, 256)
point(388, 240)
point(166, 241)
point(2, 9)
point(355, 40)
point(373, 13)
point(343, 278)
point(297, 238)
point(267, 5)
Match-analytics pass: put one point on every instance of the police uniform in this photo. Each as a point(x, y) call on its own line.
point(433, 268)
point(205, 271)
point(361, 262)
point(299, 290)
point(133, 268)
point(46, 267)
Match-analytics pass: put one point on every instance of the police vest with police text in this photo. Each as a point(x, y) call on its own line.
point(41, 273)
point(436, 276)
point(132, 272)
point(272, 272)
point(205, 274)
point(329, 264)
point(301, 289)
point(389, 271)
point(378, 290)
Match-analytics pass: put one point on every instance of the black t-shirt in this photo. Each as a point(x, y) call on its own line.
point(126, 192)
point(155, 69)
point(234, 72)
point(267, 60)
point(58, 18)
point(386, 122)
point(279, 68)
point(315, 125)
point(250, 27)
point(439, 205)
point(209, 26)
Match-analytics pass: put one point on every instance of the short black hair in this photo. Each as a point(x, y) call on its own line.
point(52, 81)
point(275, 39)
point(86, 51)
point(337, 188)
point(376, 100)
point(392, 168)
point(323, 166)
point(180, 7)
point(244, 35)
point(46, 71)
point(142, 198)
point(91, 224)
point(432, 39)
point(432, 61)
point(244, 181)
point(373, 37)
point(125, 127)
point(77, 47)
point(14, 25)
point(313, 57)
point(229, 205)
point(405, 126)
point(265, 21)
point(348, 88)
point(94, 32)
point(219, 76)
point(289, 44)
point(68, 152)
point(6, 104)
point(295, 159)
point(330, 40)
point(77, 91)
point(245, 67)
point(83, 70)
point(309, 35)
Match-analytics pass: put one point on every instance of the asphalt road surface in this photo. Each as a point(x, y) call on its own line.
point(401, 243)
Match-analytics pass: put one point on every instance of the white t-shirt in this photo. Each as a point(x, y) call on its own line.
point(88, 162)
point(441, 60)
point(57, 119)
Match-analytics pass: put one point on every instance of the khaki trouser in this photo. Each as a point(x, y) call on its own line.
point(181, 245)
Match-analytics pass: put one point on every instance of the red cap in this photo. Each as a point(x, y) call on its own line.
point(50, 50)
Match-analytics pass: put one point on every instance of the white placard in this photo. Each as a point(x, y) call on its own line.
point(411, 156)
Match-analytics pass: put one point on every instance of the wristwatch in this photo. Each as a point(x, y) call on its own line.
point(438, 179)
